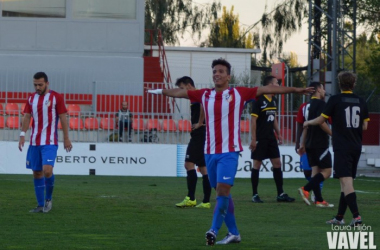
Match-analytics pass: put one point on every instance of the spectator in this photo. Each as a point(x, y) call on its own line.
point(124, 120)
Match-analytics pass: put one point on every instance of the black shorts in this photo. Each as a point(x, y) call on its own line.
point(266, 149)
point(346, 163)
point(319, 157)
point(195, 150)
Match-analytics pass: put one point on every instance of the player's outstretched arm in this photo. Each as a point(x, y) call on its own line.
point(283, 90)
point(176, 93)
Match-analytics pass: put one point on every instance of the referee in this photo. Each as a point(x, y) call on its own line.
point(264, 143)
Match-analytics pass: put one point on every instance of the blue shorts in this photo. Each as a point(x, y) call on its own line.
point(222, 168)
point(304, 163)
point(38, 156)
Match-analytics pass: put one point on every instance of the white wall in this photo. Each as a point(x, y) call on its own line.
point(107, 49)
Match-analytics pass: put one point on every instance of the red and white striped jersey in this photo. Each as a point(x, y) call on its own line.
point(222, 113)
point(301, 113)
point(45, 111)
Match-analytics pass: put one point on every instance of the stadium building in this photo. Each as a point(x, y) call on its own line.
point(97, 54)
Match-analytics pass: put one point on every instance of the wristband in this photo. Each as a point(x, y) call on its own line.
point(155, 91)
point(22, 133)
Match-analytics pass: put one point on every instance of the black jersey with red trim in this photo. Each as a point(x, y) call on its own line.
point(265, 109)
point(348, 111)
point(316, 137)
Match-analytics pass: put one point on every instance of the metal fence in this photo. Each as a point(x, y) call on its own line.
point(156, 119)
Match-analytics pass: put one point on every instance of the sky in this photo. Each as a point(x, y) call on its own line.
point(250, 11)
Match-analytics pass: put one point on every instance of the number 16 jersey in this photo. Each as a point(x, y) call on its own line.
point(347, 111)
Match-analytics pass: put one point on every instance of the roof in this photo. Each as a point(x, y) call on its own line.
point(207, 49)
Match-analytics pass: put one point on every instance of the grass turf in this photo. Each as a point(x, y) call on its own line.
point(102, 212)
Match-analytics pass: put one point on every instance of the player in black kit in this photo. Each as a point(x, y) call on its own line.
point(195, 152)
point(315, 140)
point(350, 117)
point(264, 143)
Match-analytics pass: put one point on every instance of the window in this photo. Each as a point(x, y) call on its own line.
point(113, 9)
point(34, 8)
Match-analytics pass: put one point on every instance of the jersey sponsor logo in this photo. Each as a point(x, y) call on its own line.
point(265, 104)
point(49, 160)
point(270, 118)
point(226, 178)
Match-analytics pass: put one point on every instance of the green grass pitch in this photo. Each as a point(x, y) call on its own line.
point(103, 212)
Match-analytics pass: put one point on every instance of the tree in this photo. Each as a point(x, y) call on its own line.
point(367, 69)
point(175, 17)
point(279, 24)
point(287, 17)
point(368, 14)
point(226, 32)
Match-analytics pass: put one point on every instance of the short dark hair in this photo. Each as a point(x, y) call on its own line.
point(315, 85)
point(268, 79)
point(346, 80)
point(222, 61)
point(185, 80)
point(40, 75)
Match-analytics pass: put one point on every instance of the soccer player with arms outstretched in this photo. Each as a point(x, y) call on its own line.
point(46, 107)
point(350, 117)
point(223, 106)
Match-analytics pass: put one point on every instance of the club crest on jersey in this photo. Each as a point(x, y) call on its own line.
point(229, 98)
point(48, 103)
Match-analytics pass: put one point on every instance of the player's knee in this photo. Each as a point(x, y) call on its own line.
point(189, 166)
point(48, 171)
point(203, 170)
point(38, 174)
point(223, 189)
point(257, 165)
point(276, 164)
point(326, 173)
